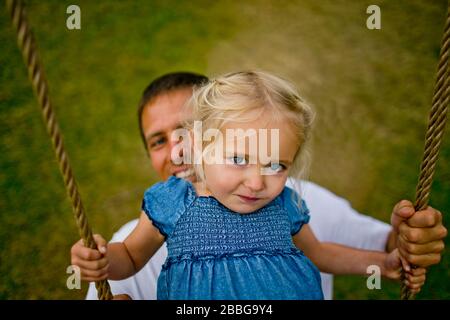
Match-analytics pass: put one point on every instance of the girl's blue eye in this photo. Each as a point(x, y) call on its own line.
point(277, 167)
point(238, 160)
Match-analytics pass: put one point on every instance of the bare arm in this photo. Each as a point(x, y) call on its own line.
point(127, 258)
point(339, 259)
point(391, 242)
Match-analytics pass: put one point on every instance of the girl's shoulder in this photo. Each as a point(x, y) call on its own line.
point(295, 207)
point(173, 184)
point(165, 202)
point(292, 201)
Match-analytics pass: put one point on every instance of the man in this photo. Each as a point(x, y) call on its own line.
point(332, 218)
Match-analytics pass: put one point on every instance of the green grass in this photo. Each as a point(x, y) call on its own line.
point(371, 89)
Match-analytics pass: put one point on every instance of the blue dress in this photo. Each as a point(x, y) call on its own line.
point(216, 253)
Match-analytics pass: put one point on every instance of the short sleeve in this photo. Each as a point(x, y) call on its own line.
point(165, 202)
point(297, 210)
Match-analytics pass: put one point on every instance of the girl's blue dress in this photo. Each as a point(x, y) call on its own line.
point(215, 253)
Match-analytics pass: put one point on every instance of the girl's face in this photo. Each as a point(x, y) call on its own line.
point(245, 181)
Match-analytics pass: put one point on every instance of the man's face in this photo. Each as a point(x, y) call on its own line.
point(160, 117)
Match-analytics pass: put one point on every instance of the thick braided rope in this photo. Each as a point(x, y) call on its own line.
point(435, 131)
point(36, 74)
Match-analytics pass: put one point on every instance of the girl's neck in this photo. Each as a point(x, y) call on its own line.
point(201, 190)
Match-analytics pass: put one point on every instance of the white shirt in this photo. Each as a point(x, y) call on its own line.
point(332, 220)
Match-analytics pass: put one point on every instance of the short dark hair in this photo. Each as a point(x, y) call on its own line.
point(164, 84)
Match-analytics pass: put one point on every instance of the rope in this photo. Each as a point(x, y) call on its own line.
point(36, 74)
point(435, 131)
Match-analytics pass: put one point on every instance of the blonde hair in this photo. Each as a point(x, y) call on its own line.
point(230, 98)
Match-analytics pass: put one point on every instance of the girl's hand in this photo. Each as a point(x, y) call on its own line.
point(93, 263)
point(414, 278)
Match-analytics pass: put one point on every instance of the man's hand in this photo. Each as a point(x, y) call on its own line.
point(419, 234)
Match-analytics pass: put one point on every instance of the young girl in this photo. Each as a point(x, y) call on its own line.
point(238, 233)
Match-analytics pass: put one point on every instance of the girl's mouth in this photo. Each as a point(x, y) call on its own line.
point(248, 199)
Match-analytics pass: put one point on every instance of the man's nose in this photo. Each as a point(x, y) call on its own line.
point(175, 151)
point(173, 142)
point(254, 180)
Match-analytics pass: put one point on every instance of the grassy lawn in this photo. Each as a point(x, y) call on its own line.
point(371, 89)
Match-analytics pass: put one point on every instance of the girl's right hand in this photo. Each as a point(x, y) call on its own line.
point(414, 277)
point(93, 263)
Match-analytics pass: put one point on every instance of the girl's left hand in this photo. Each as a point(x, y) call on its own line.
point(414, 278)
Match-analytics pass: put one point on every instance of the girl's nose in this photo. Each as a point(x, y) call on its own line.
point(254, 180)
